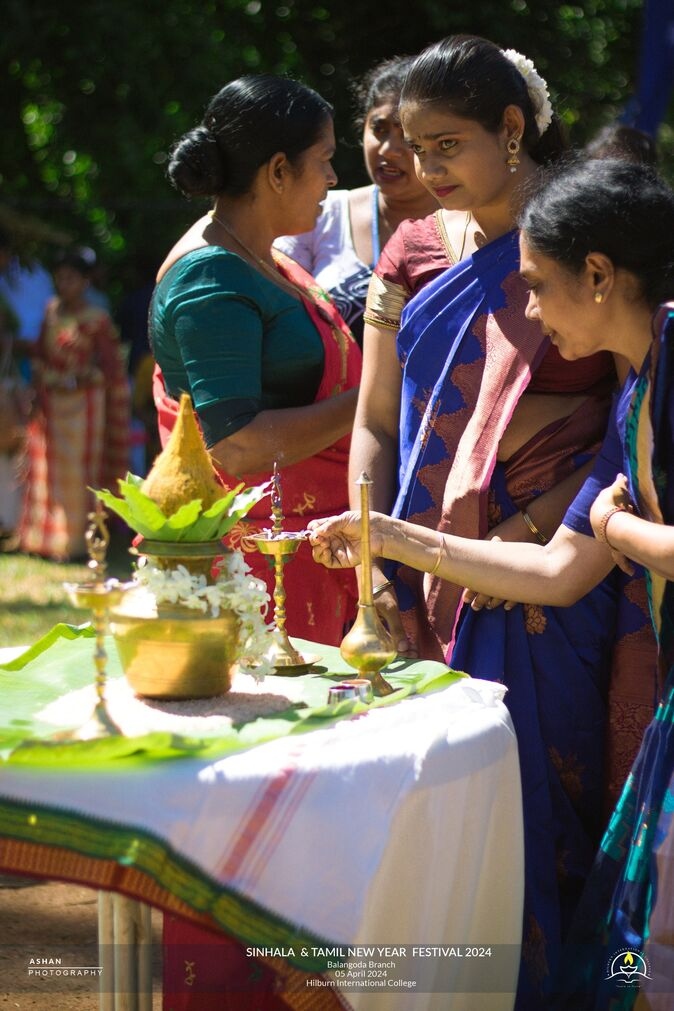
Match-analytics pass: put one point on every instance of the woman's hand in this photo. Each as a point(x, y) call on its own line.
point(336, 541)
point(386, 602)
point(616, 496)
point(479, 600)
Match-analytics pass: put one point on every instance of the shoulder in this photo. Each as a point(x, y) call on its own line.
point(206, 269)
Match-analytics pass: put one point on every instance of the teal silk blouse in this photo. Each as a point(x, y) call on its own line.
point(234, 340)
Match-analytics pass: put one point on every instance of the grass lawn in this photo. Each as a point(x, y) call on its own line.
point(32, 598)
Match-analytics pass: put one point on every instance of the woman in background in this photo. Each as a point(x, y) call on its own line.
point(78, 437)
point(341, 251)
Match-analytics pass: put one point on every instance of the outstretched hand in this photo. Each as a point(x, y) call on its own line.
point(336, 541)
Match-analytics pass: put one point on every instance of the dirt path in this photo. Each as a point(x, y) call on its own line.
point(54, 921)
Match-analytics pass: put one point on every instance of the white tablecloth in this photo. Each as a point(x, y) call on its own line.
point(399, 828)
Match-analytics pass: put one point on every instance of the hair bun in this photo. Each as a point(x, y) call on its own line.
point(196, 166)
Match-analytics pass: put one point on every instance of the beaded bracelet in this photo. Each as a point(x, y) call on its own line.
point(603, 523)
point(538, 534)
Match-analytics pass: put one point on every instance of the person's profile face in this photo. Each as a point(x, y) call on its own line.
point(562, 302)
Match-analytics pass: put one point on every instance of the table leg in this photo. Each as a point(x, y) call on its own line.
point(125, 942)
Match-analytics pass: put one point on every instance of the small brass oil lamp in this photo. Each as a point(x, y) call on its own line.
point(281, 545)
point(97, 595)
point(367, 646)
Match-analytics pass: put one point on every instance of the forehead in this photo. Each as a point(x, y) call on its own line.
point(535, 264)
point(326, 136)
point(386, 109)
point(427, 120)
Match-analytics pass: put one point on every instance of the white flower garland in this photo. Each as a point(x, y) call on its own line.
point(536, 86)
point(234, 589)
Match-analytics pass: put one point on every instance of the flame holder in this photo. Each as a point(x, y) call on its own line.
point(281, 546)
point(97, 595)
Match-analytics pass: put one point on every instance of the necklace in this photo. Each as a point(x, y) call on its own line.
point(272, 272)
point(469, 218)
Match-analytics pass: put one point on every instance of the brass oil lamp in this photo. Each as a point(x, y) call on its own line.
point(97, 595)
point(280, 546)
point(367, 646)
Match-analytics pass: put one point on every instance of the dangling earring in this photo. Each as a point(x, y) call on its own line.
point(598, 297)
point(513, 149)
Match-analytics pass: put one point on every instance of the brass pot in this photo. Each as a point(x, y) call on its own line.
point(174, 652)
point(197, 556)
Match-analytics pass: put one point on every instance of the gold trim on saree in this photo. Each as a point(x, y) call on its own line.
point(385, 303)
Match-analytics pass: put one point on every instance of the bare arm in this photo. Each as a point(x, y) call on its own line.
point(374, 444)
point(629, 536)
point(558, 574)
point(286, 436)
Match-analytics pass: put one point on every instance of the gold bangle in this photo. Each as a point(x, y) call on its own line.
point(603, 523)
point(378, 590)
point(436, 564)
point(538, 534)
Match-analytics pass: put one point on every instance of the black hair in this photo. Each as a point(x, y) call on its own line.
point(616, 207)
point(245, 124)
point(477, 81)
point(80, 258)
point(619, 141)
point(382, 83)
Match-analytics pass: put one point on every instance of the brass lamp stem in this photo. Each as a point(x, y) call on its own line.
point(365, 484)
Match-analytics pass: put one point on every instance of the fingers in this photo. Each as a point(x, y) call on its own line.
point(478, 601)
point(387, 609)
point(623, 563)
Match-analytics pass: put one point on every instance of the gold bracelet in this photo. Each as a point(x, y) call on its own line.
point(603, 523)
point(538, 534)
point(378, 590)
point(436, 565)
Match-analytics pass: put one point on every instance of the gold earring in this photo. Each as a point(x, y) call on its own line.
point(513, 149)
point(598, 297)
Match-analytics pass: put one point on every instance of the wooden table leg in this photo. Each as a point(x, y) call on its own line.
point(125, 944)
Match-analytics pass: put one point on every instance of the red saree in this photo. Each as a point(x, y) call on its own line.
point(319, 601)
point(204, 970)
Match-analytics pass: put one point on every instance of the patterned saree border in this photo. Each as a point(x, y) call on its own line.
point(62, 845)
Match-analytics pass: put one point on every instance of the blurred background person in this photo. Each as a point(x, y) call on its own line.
point(79, 435)
point(619, 141)
point(26, 288)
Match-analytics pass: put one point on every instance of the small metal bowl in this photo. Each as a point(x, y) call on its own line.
point(363, 688)
point(338, 693)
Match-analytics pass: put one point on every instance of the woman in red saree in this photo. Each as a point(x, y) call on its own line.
point(272, 371)
point(78, 437)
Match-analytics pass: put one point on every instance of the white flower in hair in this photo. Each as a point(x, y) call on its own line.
point(536, 86)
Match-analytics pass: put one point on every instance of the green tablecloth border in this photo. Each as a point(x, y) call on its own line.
point(63, 661)
point(130, 846)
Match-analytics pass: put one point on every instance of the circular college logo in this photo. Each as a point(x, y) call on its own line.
point(627, 966)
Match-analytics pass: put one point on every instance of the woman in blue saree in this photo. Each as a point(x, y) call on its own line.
point(491, 430)
point(596, 252)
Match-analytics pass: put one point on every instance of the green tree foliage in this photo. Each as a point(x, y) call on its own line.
point(95, 94)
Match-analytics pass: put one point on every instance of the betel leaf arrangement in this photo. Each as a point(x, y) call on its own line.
point(181, 499)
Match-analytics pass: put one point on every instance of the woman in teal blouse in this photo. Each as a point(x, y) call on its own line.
point(272, 370)
point(270, 365)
